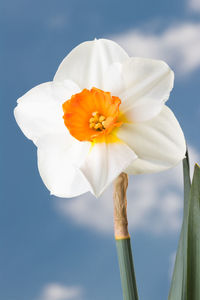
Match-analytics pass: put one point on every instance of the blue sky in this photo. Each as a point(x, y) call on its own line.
point(63, 249)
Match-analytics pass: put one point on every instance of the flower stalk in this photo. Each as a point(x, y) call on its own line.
point(122, 237)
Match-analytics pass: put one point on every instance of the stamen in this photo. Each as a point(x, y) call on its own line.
point(92, 120)
point(92, 125)
point(96, 122)
point(98, 126)
point(101, 118)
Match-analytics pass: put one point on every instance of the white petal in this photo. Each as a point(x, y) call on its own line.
point(158, 143)
point(113, 80)
point(87, 63)
point(63, 90)
point(143, 112)
point(147, 85)
point(58, 164)
point(39, 111)
point(104, 163)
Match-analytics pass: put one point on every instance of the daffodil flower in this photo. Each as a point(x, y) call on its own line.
point(104, 113)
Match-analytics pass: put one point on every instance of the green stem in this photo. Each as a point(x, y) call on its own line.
point(126, 267)
point(122, 238)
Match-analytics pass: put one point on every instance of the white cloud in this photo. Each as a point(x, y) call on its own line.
point(179, 45)
point(154, 203)
point(55, 291)
point(194, 5)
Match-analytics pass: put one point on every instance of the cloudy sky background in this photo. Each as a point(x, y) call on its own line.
point(63, 249)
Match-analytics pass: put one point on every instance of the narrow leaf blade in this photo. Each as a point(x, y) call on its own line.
point(193, 258)
point(179, 278)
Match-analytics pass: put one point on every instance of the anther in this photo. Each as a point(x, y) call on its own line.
point(101, 119)
point(98, 126)
point(92, 120)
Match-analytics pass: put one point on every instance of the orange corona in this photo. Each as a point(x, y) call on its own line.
point(91, 114)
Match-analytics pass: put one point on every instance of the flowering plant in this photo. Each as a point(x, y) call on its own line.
point(104, 113)
point(102, 117)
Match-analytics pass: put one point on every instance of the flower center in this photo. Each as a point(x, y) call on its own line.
point(91, 114)
point(97, 121)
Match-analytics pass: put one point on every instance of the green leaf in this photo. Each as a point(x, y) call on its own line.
point(193, 257)
point(186, 277)
point(179, 278)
